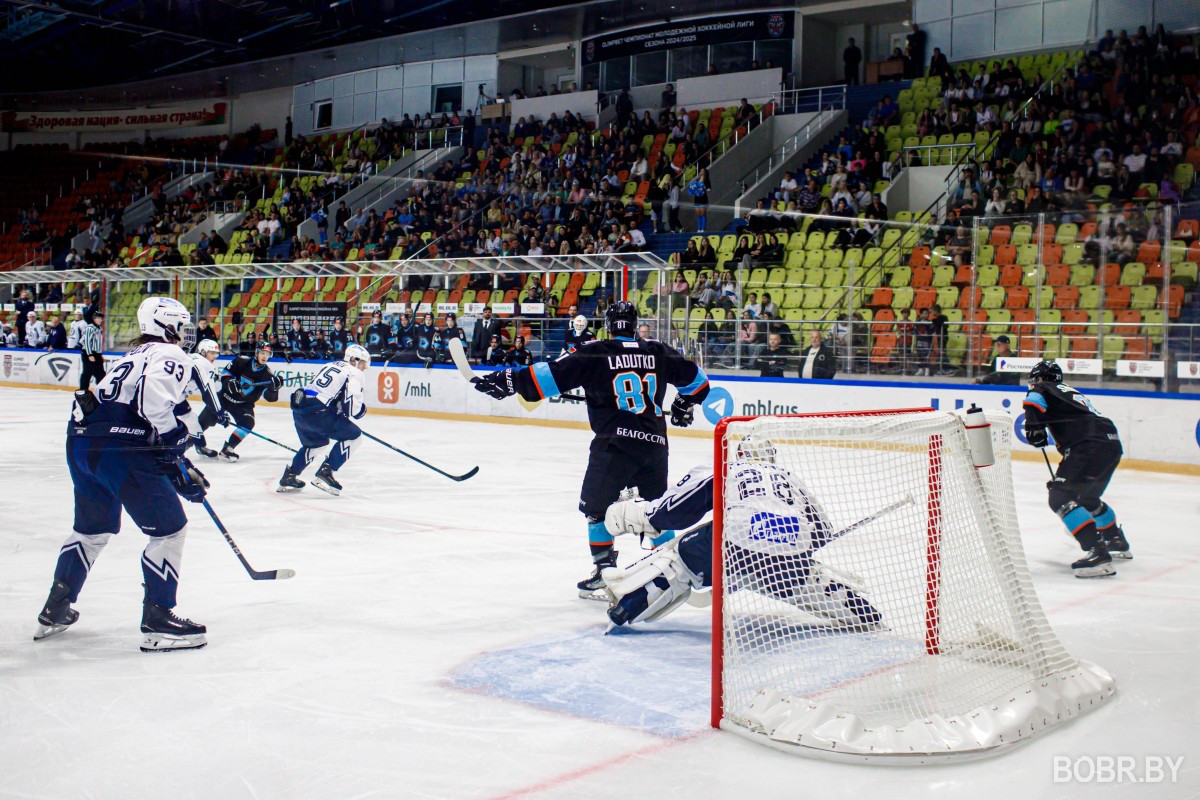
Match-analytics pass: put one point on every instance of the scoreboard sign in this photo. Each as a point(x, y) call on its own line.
point(313, 316)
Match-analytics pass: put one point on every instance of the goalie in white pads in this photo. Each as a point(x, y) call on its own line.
point(774, 526)
point(323, 412)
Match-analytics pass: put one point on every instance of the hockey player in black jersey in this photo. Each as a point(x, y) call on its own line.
point(625, 381)
point(451, 330)
point(339, 337)
point(425, 336)
point(577, 334)
point(245, 379)
point(379, 340)
point(1091, 450)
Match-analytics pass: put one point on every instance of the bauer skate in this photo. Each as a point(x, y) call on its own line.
point(227, 454)
point(593, 588)
point(325, 481)
point(289, 482)
point(57, 614)
point(1097, 563)
point(1117, 545)
point(163, 631)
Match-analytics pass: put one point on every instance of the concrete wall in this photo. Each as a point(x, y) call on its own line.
point(820, 58)
point(540, 108)
point(711, 91)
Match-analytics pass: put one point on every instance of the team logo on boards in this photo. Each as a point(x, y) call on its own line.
point(1194, 368)
point(1070, 365)
point(775, 25)
point(7, 364)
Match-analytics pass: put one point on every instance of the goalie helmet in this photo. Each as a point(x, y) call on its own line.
point(756, 448)
point(1046, 371)
point(356, 352)
point(167, 319)
point(580, 324)
point(621, 319)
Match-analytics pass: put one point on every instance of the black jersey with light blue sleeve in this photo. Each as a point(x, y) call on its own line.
point(1070, 417)
point(625, 381)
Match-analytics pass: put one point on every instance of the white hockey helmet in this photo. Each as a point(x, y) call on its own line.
point(756, 448)
point(167, 319)
point(356, 352)
point(207, 346)
point(580, 324)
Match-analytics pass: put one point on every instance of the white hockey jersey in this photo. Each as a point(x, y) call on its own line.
point(139, 394)
point(770, 510)
point(339, 386)
point(205, 381)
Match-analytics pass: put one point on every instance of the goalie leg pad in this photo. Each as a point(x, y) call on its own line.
point(650, 588)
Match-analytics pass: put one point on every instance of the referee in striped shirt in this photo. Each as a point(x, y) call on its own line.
point(91, 342)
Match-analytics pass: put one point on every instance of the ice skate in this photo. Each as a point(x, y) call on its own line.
point(593, 587)
point(57, 614)
point(227, 454)
point(289, 482)
point(207, 452)
point(325, 481)
point(1096, 564)
point(163, 631)
point(1117, 545)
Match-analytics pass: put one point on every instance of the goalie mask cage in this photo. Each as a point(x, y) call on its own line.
point(910, 631)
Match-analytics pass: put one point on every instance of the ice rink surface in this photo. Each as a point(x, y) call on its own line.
point(431, 645)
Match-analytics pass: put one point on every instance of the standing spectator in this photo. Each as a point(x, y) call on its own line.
point(24, 306)
point(486, 327)
point(668, 97)
point(204, 331)
point(904, 338)
point(35, 331)
point(673, 195)
point(817, 361)
point(851, 58)
point(91, 343)
point(922, 341)
point(773, 359)
point(624, 108)
point(699, 189)
point(939, 322)
point(916, 46)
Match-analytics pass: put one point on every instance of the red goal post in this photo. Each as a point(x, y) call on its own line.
point(720, 456)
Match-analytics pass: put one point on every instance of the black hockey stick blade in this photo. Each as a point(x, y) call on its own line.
point(269, 575)
point(468, 474)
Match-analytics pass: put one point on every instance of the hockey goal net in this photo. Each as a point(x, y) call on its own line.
point(894, 617)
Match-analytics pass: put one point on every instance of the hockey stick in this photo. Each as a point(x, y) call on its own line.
point(244, 431)
point(468, 474)
point(270, 575)
point(459, 356)
point(1052, 475)
point(907, 501)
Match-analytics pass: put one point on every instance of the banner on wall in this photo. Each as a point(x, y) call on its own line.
point(182, 115)
point(697, 32)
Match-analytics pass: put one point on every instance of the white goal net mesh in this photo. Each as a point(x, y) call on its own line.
point(875, 598)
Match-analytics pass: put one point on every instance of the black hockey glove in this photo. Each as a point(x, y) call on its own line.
point(681, 412)
point(1037, 436)
point(187, 480)
point(224, 419)
point(498, 384)
point(276, 381)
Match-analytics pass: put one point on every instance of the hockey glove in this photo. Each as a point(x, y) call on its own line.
point(681, 412)
point(187, 480)
point(224, 419)
point(498, 384)
point(1036, 436)
point(276, 381)
point(175, 442)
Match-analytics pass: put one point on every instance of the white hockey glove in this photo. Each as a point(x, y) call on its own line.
point(628, 516)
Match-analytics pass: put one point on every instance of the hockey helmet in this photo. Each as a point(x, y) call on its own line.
point(167, 319)
point(356, 352)
point(621, 319)
point(580, 324)
point(208, 347)
point(1046, 372)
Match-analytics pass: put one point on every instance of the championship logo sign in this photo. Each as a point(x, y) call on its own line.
point(775, 25)
point(8, 365)
point(589, 50)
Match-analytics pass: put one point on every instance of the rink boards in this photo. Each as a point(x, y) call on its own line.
point(1155, 427)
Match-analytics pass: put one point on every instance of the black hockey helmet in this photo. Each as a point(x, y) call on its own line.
point(1047, 372)
point(621, 319)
